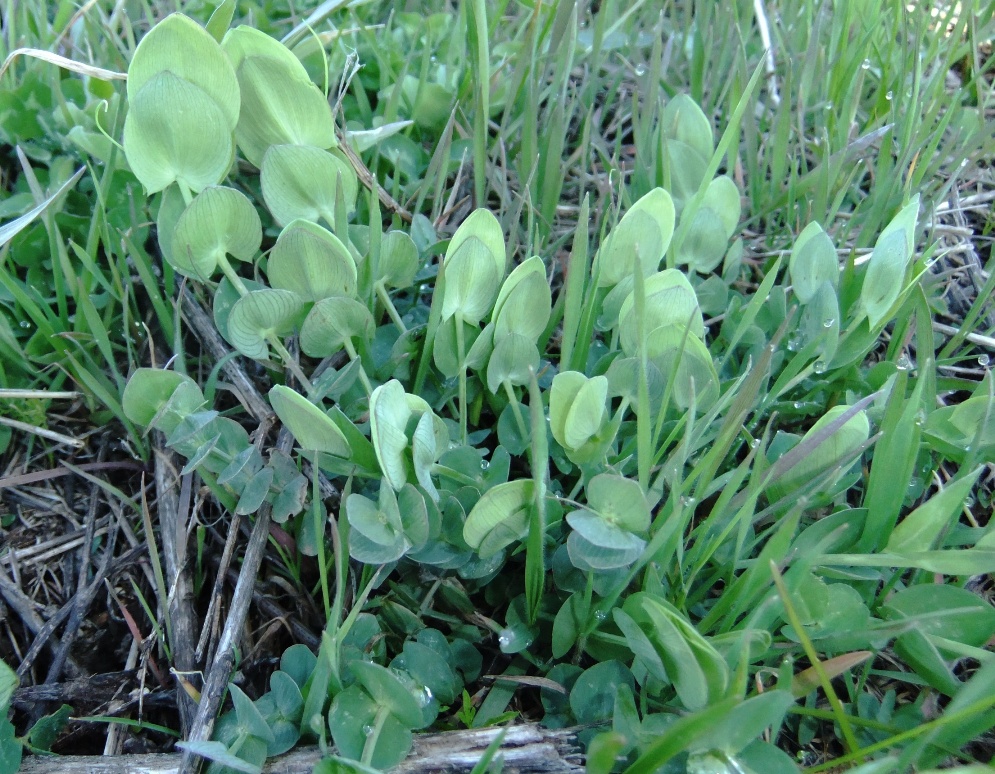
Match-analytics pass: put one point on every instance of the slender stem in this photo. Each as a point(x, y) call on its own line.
point(184, 192)
point(319, 535)
point(461, 346)
point(515, 409)
point(371, 738)
point(381, 292)
point(289, 362)
point(353, 355)
point(232, 276)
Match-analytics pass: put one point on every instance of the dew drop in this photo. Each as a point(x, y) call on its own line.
point(25, 324)
point(504, 639)
point(903, 364)
point(368, 730)
point(601, 615)
point(794, 343)
point(889, 96)
point(799, 404)
point(640, 70)
point(433, 59)
point(828, 322)
point(983, 361)
point(967, 447)
point(484, 464)
point(819, 366)
point(755, 443)
point(424, 696)
point(866, 64)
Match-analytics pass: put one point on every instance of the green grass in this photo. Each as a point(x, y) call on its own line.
point(748, 538)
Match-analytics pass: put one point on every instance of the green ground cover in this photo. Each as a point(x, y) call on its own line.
point(614, 366)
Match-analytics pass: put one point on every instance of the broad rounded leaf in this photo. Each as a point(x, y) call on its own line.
point(705, 244)
point(524, 302)
point(312, 262)
point(722, 197)
point(175, 132)
point(686, 360)
point(388, 691)
point(684, 121)
point(218, 222)
point(645, 229)
point(182, 47)
point(398, 260)
point(670, 300)
point(813, 261)
point(299, 181)
point(171, 206)
point(245, 41)
point(619, 500)
point(260, 314)
point(830, 453)
point(311, 426)
point(500, 517)
point(888, 263)
point(278, 109)
point(946, 611)
point(483, 226)
point(333, 321)
point(148, 390)
point(472, 281)
point(577, 407)
point(390, 410)
point(513, 360)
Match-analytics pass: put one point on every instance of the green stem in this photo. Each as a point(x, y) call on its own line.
point(289, 362)
point(353, 355)
point(232, 276)
point(515, 409)
point(461, 346)
point(371, 739)
point(381, 292)
point(184, 192)
point(319, 535)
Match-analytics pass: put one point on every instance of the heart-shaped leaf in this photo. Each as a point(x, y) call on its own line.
point(333, 321)
point(685, 359)
point(245, 41)
point(513, 360)
point(387, 691)
point(149, 389)
point(474, 267)
point(398, 260)
point(472, 282)
point(312, 262)
point(175, 133)
point(888, 263)
point(182, 47)
point(278, 109)
point(391, 409)
point(645, 229)
point(218, 222)
point(311, 426)
point(813, 261)
point(300, 181)
point(524, 302)
point(670, 300)
point(619, 500)
point(577, 407)
point(260, 314)
point(500, 517)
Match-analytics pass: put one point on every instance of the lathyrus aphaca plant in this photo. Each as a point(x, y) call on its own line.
point(608, 454)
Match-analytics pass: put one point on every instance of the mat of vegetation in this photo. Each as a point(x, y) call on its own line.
point(615, 366)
